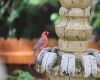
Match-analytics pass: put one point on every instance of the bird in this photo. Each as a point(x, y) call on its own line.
point(41, 43)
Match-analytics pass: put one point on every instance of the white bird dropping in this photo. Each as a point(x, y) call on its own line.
point(41, 55)
point(89, 65)
point(97, 56)
point(68, 64)
point(48, 61)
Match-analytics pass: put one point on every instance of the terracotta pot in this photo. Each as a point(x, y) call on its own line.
point(11, 44)
point(2, 45)
point(20, 51)
point(18, 57)
point(92, 44)
point(52, 42)
point(2, 49)
point(25, 45)
point(24, 51)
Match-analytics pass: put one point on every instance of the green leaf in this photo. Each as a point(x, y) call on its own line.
point(12, 33)
point(55, 18)
point(2, 10)
point(36, 2)
point(14, 14)
point(54, 2)
point(97, 23)
point(21, 75)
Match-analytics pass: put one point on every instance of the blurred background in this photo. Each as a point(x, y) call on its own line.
point(28, 19)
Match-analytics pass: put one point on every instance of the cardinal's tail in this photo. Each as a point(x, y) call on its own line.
point(33, 58)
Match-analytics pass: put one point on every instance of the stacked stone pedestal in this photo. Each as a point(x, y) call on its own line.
point(73, 32)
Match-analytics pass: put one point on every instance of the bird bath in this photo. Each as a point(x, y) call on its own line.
point(72, 60)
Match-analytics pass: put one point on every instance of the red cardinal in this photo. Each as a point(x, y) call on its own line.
point(42, 42)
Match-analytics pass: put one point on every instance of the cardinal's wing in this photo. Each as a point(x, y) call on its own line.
point(41, 43)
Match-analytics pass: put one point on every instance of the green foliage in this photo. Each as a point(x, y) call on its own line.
point(54, 2)
point(55, 18)
point(14, 14)
point(12, 32)
point(97, 23)
point(11, 10)
point(96, 16)
point(36, 2)
point(2, 10)
point(20, 75)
